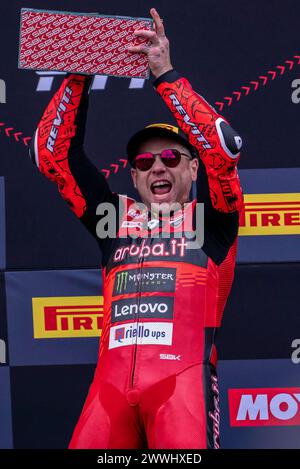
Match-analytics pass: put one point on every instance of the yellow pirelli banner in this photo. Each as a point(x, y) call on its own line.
point(271, 214)
point(70, 316)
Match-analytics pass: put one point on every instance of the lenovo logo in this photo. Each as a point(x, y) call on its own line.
point(264, 407)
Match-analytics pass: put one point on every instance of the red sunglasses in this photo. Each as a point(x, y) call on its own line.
point(171, 158)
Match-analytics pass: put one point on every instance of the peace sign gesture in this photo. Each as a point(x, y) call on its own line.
point(157, 51)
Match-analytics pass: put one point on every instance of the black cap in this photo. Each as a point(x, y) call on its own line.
point(158, 130)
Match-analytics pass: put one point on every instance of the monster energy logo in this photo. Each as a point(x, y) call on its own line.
point(150, 279)
point(122, 278)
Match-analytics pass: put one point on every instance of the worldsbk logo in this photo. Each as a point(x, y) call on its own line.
point(264, 407)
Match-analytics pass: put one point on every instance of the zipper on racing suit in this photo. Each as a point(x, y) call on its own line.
point(139, 295)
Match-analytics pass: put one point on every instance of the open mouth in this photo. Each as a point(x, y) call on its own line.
point(161, 187)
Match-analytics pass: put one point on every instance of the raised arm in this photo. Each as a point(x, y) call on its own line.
point(218, 145)
point(57, 150)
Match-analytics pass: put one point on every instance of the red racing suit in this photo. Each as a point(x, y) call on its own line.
point(155, 385)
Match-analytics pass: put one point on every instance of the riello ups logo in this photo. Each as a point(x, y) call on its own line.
point(271, 214)
point(71, 316)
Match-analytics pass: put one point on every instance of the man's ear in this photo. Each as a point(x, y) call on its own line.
point(194, 166)
point(134, 176)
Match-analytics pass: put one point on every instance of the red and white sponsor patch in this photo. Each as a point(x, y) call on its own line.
point(91, 43)
point(264, 407)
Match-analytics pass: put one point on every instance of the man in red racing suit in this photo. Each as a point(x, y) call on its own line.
point(155, 385)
